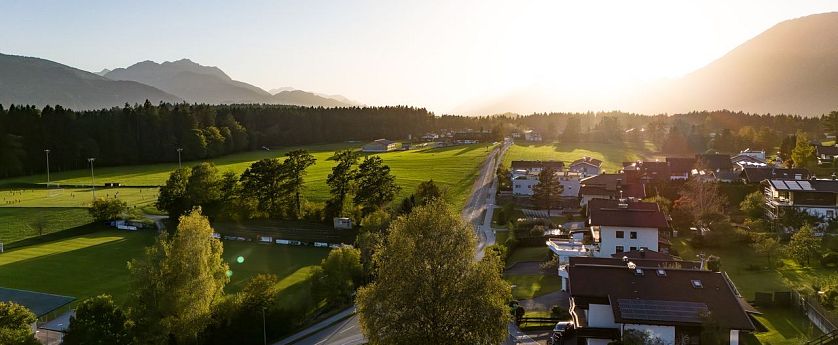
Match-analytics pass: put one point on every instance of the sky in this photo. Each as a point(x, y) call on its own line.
point(441, 55)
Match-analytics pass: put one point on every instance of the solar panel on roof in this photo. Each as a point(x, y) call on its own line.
point(805, 185)
point(655, 310)
point(793, 185)
point(778, 184)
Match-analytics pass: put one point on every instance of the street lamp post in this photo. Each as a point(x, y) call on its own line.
point(92, 178)
point(47, 152)
point(179, 150)
point(264, 333)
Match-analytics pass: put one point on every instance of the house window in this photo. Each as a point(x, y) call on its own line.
point(830, 214)
point(621, 234)
point(620, 249)
point(632, 248)
point(633, 235)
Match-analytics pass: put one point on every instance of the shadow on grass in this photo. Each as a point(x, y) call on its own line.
point(58, 235)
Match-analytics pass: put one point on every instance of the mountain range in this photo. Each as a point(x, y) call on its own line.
point(791, 68)
point(28, 80)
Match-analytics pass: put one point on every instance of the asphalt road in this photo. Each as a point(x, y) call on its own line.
point(478, 211)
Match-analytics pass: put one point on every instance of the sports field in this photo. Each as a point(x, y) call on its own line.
point(20, 223)
point(611, 155)
point(89, 265)
point(454, 168)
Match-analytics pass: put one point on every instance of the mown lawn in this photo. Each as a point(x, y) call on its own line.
point(533, 285)
point(612, 155)
point(785, 326)
point(454, 168)
point(90, 265)
point(524, 254)
point(21, 223)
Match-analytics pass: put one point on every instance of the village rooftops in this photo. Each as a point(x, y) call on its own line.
point(714, 161)
point(625, 213)
point(821, 186)
point(617, 260)
point(587, 160)
point(680, 165)
point(757, 175)
point(666, 297)
point(528, 165)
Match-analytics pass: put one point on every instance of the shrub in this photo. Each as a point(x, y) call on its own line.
point(830, 259)
point(103, 210)
point(498, 249)
point(559, 312)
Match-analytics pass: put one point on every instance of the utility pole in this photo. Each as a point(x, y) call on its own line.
point(47, 152)
point(92, 178)
point(179, 150)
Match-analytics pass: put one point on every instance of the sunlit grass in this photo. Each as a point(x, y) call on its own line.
point(612, 155)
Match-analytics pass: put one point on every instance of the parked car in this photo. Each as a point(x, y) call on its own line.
point(561, 331)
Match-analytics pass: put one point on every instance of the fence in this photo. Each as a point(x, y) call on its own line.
point(816, 313)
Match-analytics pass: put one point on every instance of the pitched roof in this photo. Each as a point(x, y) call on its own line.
point(826, 150)
point(714, 161)
point(383, 141)
point(611, 185)
point(640, 298)
point(587, 160)
point(680, 165)
point(756, 175)
point(824, 186)
point(636, 214)
point(616, 260)
point(557, 165)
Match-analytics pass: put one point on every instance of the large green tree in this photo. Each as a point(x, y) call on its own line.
point(98, 321)
point(340, 180)
point(263, 182)
point(204, 188)
point(428, 287)
point(548, 192)
point(338, 275)
point(103, 210)
point(177, 282)
point(753, 205)
point(293, 172)
point(172, 197)
point(830, 122)
point(16, 325)
point(376, 186)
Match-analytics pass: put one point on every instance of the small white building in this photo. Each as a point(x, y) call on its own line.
point(523, 183)
point(624, 225)
point(586, 166)
point(530, 135)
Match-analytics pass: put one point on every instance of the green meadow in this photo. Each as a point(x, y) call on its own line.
point(612, 155)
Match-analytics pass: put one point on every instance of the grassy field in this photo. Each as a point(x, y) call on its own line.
point(89, 265)
point(785, 326)
point(454, 168)
point(20, 223)
point(523, 254)
point(533, 285)
point(612, 155)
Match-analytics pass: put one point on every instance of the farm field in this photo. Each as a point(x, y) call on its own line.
point(454, 168)
point(89, 265)
point(612, 155)
point(20, 223)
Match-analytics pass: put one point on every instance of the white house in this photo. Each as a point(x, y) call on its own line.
point(818, 198)
point(624, 225)
point(535, 167)
point(530, 135)
point(671, 304)
point(523, 183)
point(586, 166)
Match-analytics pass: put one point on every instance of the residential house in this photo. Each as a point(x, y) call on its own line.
point(610, 186)
point(715, 166)
point(430, 137)
point(523, 183)
point(530, 135)
point(647, 172)
point(535, 167)
point(826, 154)
point(757, 154)
point(474, 137)
point(754, 175)
point(818, 198)
point(671, 304)
point(586, 166)
point(680, 168)
point(380, 145)
point(624, 225)
point(642, 258)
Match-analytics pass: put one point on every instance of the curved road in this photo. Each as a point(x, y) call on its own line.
point(477, 211)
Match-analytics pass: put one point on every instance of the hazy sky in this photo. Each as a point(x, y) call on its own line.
point(437, 54)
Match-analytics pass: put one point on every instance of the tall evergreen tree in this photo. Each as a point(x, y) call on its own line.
point(340, 180)
point(548, 192)
point(293, 173)
point(376, 186)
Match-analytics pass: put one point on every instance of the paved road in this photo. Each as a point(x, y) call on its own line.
point(478, 211)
